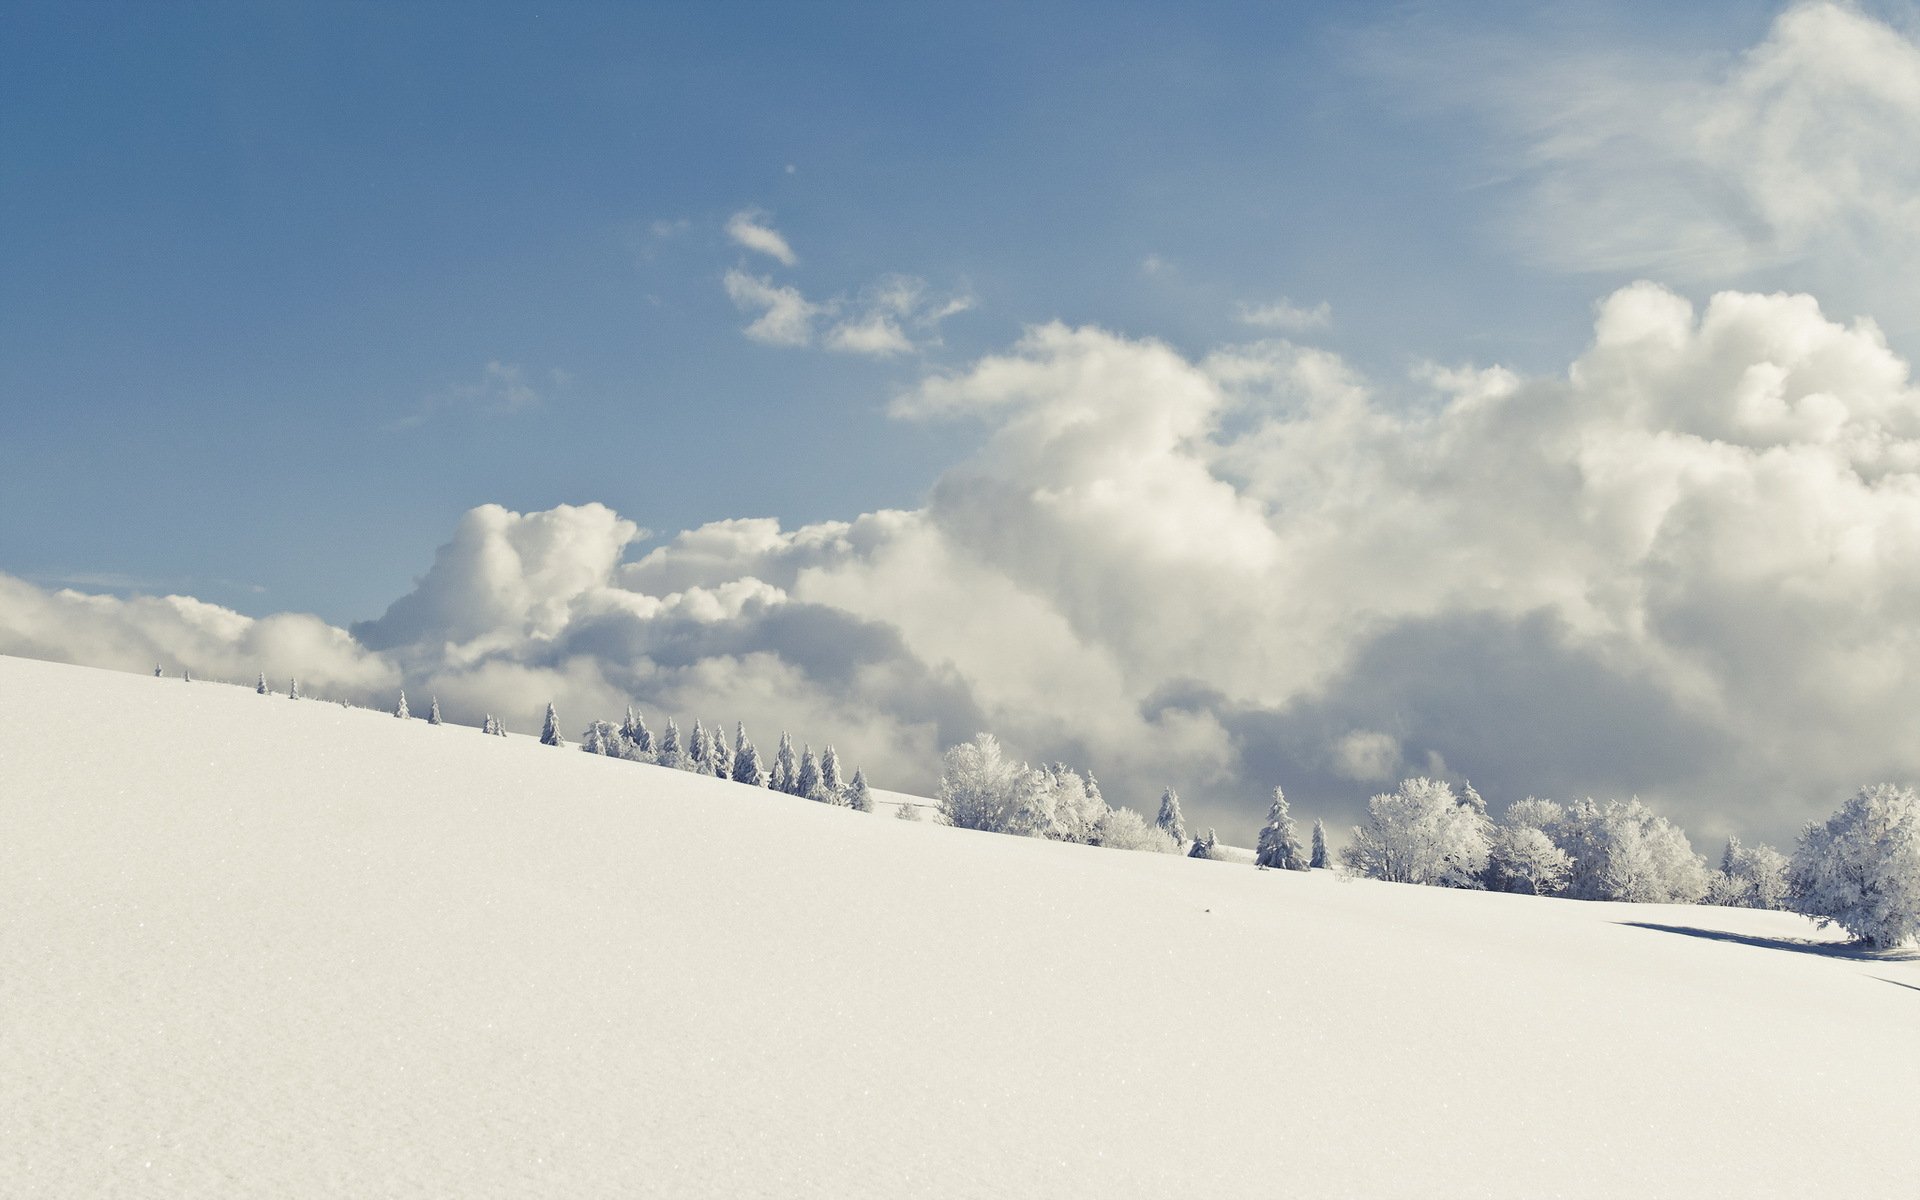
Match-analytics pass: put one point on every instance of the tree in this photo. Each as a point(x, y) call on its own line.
point(157, 672)
point(859, 795)
point(670, 754)
point(400, 709)
point(807, 783)
point(980, 789)
point(1420, 833)
point(261, 687)
point(1075, 803)
point(1319, 860)
point(1624, 851)
point(499, 727)
point(550, 732)
point(488, 724)
point(1170, 818)
point(1125, 829)
point(746, 760)
point(602, 737)
point(433, 713)
point(641, 736)
point(1203, 847)
point(1860, 869)
point(719, 755)
point(293, 689)
point(1522, 859)
point(831, 781)
point(786, 772)
point(697, 747)
point(1278, 847)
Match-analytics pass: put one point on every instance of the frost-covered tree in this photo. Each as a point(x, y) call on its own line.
point(746, 760)
point(400, 709)
point(1523, 859)
point(499, 727)
point(186, 674)
point(980, 789)
point(550, 731)
point(909, 812)
point(1204, 847)
point(1319, 860)
point(602, 737)
point(1074, 802)
point(1170, 818)
point(786, 770)
point(1860, 869)
point(1750, 877)
point(670, 752)
point(293, 689)
point(831, 781)
point(697, 747)
point(261, 687)
point(642, 737)
point(433, 712)
point(1278, 846)
point(807, 783)
point(1624, 851)
point(1125, 829)
point(157, 672)
point(859, 795)
point(1420, 833)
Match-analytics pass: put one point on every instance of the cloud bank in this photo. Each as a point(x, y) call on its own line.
point(1685, 567)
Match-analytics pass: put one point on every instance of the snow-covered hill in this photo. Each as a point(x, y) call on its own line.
point(256, 947)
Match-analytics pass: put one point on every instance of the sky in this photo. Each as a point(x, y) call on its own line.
point(1264, 394)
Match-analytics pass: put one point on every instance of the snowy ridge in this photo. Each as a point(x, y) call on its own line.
point(261, 947)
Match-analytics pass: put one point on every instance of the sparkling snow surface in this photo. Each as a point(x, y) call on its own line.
point(254, 947)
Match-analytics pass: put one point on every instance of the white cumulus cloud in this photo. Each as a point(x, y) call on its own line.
point(749, 229)
point(785, 317)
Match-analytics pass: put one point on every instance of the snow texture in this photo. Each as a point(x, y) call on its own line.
point(299, 950)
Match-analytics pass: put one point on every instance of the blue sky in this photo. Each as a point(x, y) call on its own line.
point(242, 241)
point(1231, 394)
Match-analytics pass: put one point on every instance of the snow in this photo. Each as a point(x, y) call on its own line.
point(254, 946)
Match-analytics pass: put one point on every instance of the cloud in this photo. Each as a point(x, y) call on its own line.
point(1684, 566)
point(785, 316)
point(747, 228)
point(1793, 160)
point(1286, 316)
point(502, 389)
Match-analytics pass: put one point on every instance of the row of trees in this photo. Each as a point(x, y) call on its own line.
point(980, 788)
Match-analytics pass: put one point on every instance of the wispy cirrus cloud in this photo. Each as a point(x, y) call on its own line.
point(749, 228)
point(1285, 316)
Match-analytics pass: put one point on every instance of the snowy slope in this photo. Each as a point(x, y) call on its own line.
point(267, 948)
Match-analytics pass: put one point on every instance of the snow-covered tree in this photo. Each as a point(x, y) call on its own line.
point(1204, 847)
point(1420, 833)
point(400, 709)
point(719, 754)
point(550, 731)
point(746, 760)
point(1125, 829)
point(499, 727)
point(980, 789)
point(1075, 802)
point(433, 712)
point(261, 687)
point(1278, 846)
point(859, 795)
point(1750, 877)
point(157, 672)
point(186, 674)
point(670, 752)
point(909, 812)
point(1624, 851)
point(641, 736)
point(785, 776)
point(831, 781)
point(293, 689)
point(1523, 859)
point(486, 724)
point(807, 783)
point(697, 747)
point(1319, 860)
point(1170, 818)
point(602, 737)
point(1860, 869)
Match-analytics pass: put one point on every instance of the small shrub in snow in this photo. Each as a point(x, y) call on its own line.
point(1860, 869)
point(909, 812)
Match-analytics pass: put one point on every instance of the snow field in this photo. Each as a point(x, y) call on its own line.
point(250, 946)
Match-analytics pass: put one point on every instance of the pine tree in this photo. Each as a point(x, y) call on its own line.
point(1202, 847)
point(784, 768)
point(486, 724)
point(186, 674)
point(157, 672)
point(642, 736)
point(1170, 818)
point(1319, 860)
point(808, 783)
point(261, 687)
point(830, 780)
point(697, 747)
point(719, 755)
point(433, 714)
point(550, 732)
point(1278, 847)
point(746, 760)
point(400, 709)
point(859, 795)
point(627, 730)
point(293, 689)
point(670, 754)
